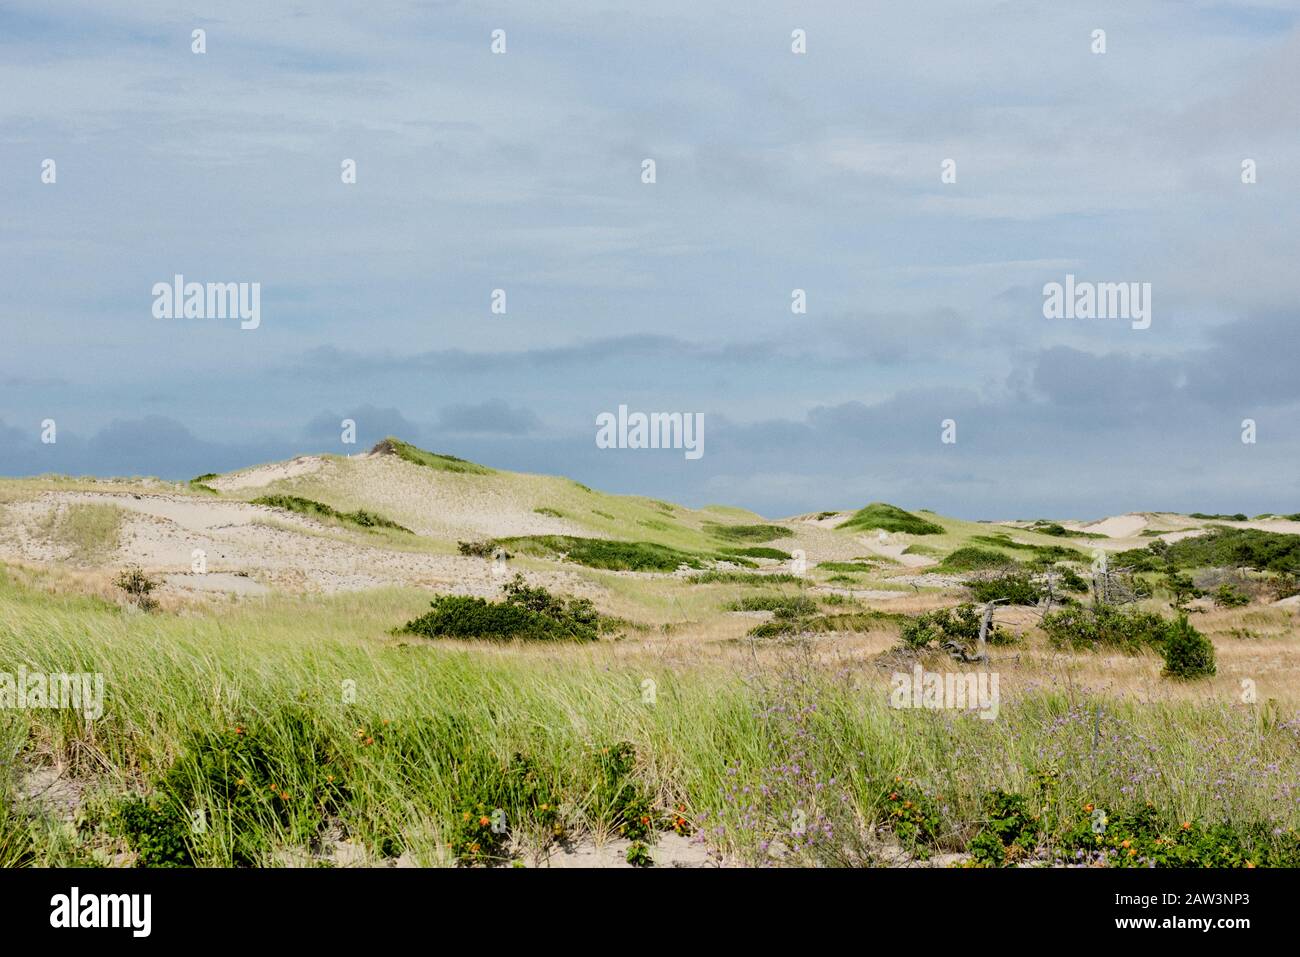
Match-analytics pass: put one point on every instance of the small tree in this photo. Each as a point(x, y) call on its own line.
point(137, 586)
point(1188, 653)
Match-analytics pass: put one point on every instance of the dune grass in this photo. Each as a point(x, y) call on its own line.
point(305, 506)
point(330, 722)
point(88, 531)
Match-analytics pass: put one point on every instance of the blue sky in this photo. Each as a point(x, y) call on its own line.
point(775, 171)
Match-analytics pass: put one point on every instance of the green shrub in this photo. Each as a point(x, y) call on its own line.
point(971, 558)
point(527, 613)
point(1012, 587)
point(1226, 596)
point(1221, 547)
point(620, 799)
point(1104, 626)
point(371, 520)
point(156, 830)
point(890, 518)
point(961, 624)
point(606, 553)
point(913, 815)
point(789, 605)
point(138, 586)
point(638, 855)
point(1010, 831)
point(1070, 580)
point(1188, 653)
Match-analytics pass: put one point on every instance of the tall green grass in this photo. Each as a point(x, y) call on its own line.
point(394, 742)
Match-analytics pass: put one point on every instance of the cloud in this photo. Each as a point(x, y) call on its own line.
point(372, 425)
point(491, 417)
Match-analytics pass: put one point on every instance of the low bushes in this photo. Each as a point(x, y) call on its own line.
point(972, 558)
point(961, 624)
point(527, 613)
point(1187, 653)
point(1105, 626)
point(1014, 588)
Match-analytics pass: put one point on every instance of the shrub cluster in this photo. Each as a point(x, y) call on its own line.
point(1104, 626)
point(528, 613)
point(961, 624)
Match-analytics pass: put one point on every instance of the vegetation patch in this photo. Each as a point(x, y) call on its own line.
point(433, 460)
point(1188, 653)
point(1220, 547)
point(972, 558)
point(528, 614)
point(138, 587)
point(89, 531)
point(757, 551)
point(847, 566)
point(305, 506)
point(960, 625)
point(723, 577)
point(1041, 554)
point(890, 518)
point(792, 605)
point(1105, 627)
point(793, 619)
point(606, 553)
point(747, 533)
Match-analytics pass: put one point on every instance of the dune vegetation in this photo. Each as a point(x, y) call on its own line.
point(348, 685)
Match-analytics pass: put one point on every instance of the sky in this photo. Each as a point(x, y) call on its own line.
point(774, 171)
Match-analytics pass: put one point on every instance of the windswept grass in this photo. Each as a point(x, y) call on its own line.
point(254, 729)
point(89, 531)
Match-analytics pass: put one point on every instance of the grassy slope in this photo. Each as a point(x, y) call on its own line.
point(595, 513)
